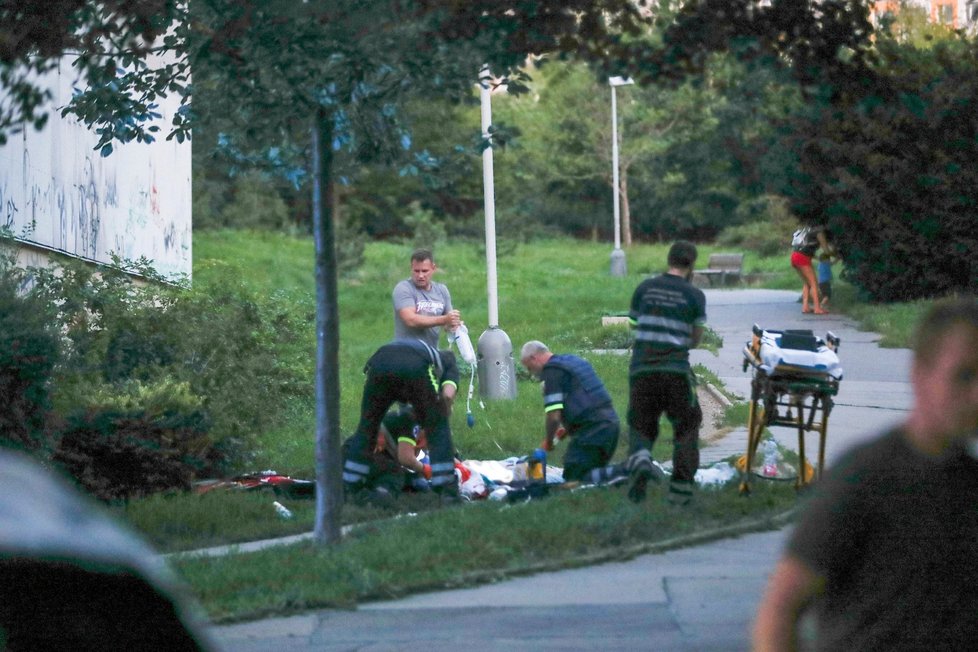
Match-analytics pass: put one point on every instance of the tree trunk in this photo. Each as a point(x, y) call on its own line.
point(626, 213)
point(329, 487)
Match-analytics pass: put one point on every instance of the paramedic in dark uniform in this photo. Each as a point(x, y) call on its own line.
point(667, 316)
point(578, 405)
point(385, 466)
point(411, 371)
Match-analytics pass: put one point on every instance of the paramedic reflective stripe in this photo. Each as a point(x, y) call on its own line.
point(354, 472)
point(684, 341)
point(662, 330)
point(556, 397)
point(554, 401)
point(356, 467)
point(442, 473)
point(656, 321)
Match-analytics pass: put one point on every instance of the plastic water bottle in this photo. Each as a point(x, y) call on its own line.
point(770, 468)
point(282, 510)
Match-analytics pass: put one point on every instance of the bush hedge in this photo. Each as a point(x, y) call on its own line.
point(119, 455)
point(137, 387)
point(890, 169)
point(29, 351)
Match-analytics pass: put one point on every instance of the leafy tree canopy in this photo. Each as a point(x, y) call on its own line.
point(891, 172)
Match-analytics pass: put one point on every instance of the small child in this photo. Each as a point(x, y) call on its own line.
point(824, 274)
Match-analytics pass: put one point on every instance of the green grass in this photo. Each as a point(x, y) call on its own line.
point(555, 291)
point(894, 322)
point(463, 546)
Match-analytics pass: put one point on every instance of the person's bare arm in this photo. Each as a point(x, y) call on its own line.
point(448, 392)
point(697, 336)
point(449, 320)
point(789, 590)
point(554, 423)
point(408, 457)
point(823, 241)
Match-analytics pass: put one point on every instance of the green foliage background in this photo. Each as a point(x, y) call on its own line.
point(738, 147)
point(890, 169)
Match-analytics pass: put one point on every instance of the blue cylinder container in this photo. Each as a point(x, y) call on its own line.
point(537, 472)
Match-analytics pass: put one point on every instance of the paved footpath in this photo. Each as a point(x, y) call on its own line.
point(697, 598)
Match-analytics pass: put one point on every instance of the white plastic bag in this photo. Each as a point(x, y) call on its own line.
point(464, 344)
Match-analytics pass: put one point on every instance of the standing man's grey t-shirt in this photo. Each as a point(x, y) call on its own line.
point(436, 300)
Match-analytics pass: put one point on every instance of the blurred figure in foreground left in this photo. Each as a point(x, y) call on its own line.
point(71, 578)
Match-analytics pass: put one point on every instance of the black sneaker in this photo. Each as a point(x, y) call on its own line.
point(640, 471)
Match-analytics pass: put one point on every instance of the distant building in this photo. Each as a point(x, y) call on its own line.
point(58, 194)
point(957, 14)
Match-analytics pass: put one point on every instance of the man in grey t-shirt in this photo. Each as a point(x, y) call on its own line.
point(423, 307)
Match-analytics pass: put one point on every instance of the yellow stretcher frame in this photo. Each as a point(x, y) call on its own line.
point(804, 395)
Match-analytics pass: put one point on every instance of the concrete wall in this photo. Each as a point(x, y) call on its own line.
point(58, 194)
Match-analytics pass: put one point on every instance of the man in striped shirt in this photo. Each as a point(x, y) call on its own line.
point(667, 316)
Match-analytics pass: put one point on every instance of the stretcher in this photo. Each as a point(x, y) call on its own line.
point(795, 376)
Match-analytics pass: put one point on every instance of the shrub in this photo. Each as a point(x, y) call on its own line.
point(221, 340)
point(891, 170)
point(351, 241)
point(124, 454)
point(208, 198)
point(255, 203)
point(764, 226)
point(425, 229)
point(29, 351)
point(228, 347)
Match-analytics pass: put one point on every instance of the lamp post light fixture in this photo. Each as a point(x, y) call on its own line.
point(619, 266)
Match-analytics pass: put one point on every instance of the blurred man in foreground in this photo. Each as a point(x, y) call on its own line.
point(75, 579)
point(885, 551)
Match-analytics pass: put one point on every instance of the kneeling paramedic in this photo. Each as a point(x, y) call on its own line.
point(386, 467)
point(576, 404)
point(413, 372)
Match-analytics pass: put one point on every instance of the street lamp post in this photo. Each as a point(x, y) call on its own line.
point(619, 266)
point(495, 364)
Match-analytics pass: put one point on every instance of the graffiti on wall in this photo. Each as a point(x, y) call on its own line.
point(58, 193)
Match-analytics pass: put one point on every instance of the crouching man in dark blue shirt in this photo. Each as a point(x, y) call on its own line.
point(577, 405)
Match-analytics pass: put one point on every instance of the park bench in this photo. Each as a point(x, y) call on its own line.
point(725, 266)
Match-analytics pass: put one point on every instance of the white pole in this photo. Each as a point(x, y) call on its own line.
point(619, 266)
point(614, 166)
point(489, 200)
